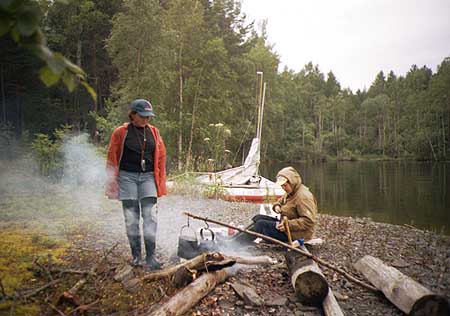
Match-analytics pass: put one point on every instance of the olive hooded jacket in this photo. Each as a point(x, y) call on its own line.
point(299, 206)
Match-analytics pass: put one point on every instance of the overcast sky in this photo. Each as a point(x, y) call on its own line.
point(356, 38)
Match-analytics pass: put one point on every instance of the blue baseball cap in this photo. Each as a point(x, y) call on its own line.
point(142, 107)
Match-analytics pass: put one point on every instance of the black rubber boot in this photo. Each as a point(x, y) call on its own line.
point(150, 261)
point(135, 245)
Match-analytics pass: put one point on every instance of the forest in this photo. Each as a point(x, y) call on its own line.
point(197, 62)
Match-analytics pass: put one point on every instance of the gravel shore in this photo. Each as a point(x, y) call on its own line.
point(92, 224)
point(422, 255)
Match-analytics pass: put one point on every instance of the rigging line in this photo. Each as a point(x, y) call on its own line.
point(243, 137)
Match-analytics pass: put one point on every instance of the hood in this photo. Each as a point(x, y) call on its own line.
point(293, 176)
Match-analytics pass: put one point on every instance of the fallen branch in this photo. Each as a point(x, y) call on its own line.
point(83, 307)
point(253, 260)
point(316, 259)
point(43, 268)
point(55, 309)
point(35, 291)
point(192, 294)
point(70, 294)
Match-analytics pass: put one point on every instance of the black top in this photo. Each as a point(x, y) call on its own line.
point(132, 150)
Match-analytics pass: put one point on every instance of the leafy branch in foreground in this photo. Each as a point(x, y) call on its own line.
point(20, 20)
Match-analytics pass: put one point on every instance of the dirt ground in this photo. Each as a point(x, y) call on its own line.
point(61, 233)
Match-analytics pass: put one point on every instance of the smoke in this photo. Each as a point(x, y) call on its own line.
point(84, 173)
point(76, 198)
point(72, 195)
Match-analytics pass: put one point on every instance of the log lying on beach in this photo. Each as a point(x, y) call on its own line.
point(308, 281)
point(409, 296)
point(184, 300)
point(312, 283)
point(330, 305)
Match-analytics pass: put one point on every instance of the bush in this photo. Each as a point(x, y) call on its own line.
point(48, 150)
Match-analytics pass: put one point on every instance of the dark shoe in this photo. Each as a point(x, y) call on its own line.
point(136, 262)
point(152, 264)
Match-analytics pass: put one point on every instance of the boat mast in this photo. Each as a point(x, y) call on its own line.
point(261, 97)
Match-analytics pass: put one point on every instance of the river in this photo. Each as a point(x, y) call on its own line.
point(397, 192)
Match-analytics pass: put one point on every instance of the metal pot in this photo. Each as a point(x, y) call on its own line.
point(188, 246)
point(205, 243)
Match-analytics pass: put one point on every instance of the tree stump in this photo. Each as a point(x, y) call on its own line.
point(409, 296)
point(308, 281)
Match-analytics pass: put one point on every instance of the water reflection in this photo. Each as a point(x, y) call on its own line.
point(399, 192)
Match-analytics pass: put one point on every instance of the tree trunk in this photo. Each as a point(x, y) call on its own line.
point(409, 296)
point(308, 281)
point(184, 300)
point(94, 72)
point(443, 136)
point(180, 117)
point(191, 133)
point(303, 136)
point(2, 83)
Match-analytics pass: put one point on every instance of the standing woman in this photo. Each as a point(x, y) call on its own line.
point(136, 168)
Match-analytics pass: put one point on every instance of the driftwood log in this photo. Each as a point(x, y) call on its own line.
point(276, 241)
point(312, 282)
point(330, 305)
point(184, 300)
point(308, 281)
point(408, 295)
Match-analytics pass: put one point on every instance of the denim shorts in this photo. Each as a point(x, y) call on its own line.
point(136, 185)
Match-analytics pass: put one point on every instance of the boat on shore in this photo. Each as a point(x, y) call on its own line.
point(244, 183)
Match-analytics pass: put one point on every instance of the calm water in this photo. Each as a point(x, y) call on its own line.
point(398, 192)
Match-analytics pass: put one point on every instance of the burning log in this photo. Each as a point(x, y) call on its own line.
point(192, 294)
point(307, 280)
point(195, 263)
point(409, 296)
point(205, 262)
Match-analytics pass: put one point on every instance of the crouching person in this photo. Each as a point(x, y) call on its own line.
point(298, 205)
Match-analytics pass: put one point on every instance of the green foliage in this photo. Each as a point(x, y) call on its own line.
point(106, 125)
point(20, 19)
point(47, 150)
point(185, 184)
point(214, 191)
point(217, 154)
point(196, 61)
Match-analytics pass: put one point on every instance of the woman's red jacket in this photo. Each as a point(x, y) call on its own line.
point(115, 151)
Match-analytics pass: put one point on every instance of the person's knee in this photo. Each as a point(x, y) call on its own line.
point(149, 200)
point(131, 212)
point(260, 226)
point(130, 205)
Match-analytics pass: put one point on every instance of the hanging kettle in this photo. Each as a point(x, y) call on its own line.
point(188, 245)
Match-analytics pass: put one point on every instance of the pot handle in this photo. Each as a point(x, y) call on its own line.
point(213, 236)
point(187, 226)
